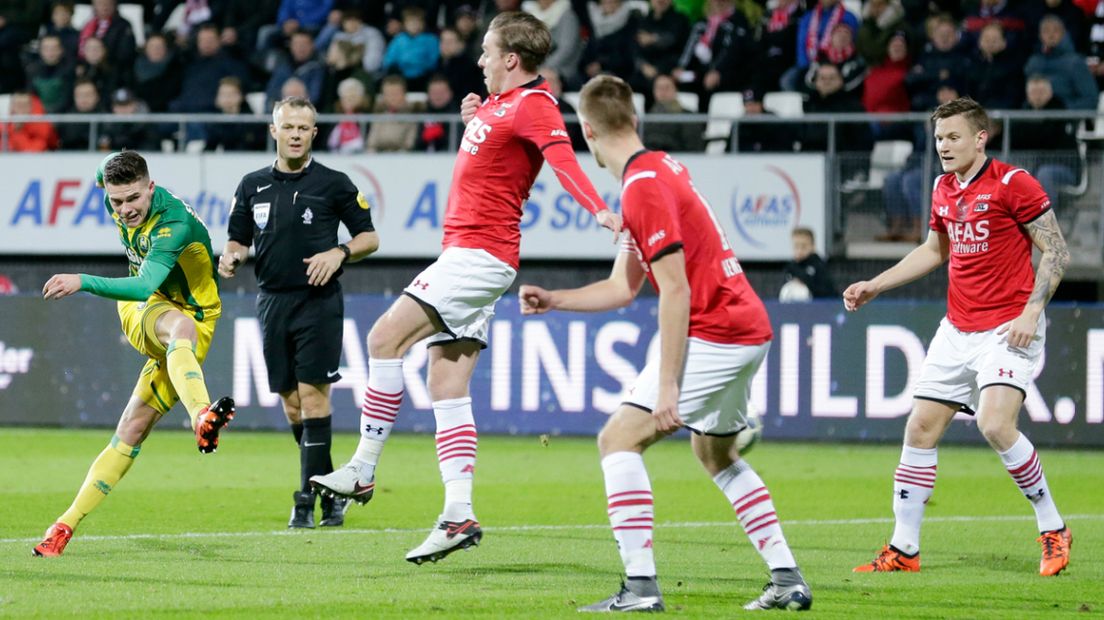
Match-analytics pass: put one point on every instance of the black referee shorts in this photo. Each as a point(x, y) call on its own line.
point(302, 336)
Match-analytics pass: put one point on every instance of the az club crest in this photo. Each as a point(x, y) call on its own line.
point(260, 213)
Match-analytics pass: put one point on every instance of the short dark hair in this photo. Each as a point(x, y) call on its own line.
point(126, 167)
point(802, 230)
point(232, 80)
point(971, 110)
point(393, 79)
point(524, 35)
point(606, 104)
point(414, 12)
point(293, 102)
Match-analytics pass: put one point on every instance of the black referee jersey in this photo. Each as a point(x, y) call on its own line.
point(291, 216)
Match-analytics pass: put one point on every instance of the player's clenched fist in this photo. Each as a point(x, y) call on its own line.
point(858, 294)
point(228, 264)
point(61, 285)
point(534, 299)
point(469, 106)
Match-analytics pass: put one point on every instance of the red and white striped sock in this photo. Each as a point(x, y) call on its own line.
point(1022, 463)
point(752, 502)
point(631, 512)
point(913, 485)
point(378, 412)
point(457, 441)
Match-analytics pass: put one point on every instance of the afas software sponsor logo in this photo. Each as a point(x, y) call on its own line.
point(13, 361)
point(767, 209)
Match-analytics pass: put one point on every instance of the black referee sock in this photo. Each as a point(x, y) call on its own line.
point(297, 431)
point(314, 450)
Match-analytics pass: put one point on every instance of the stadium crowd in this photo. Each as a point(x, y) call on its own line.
point(357, 56)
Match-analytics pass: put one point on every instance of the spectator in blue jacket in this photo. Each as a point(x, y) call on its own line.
point(302, 63)
point(413, 53)
point(299, 15)
point(814, 33)
point(1069, 74)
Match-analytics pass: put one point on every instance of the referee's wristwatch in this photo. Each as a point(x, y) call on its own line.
point(348, 253)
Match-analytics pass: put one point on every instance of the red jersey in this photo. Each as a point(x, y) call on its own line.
point(504, 146)
point(990, 272)
point(663, 212)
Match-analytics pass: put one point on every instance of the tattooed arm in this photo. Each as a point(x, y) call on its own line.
point(1047, 236)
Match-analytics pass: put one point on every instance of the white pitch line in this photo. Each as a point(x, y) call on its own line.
point(548, 528)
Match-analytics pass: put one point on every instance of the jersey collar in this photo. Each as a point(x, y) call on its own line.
point(631, 159)
point(535, 83)
point(981, 171)
point(283, 176)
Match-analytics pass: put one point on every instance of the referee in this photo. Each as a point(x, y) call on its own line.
point(290, 212)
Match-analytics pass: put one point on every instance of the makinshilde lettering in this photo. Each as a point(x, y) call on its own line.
point(829, 376)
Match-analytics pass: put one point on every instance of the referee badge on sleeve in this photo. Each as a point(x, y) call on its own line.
point(260, 213)
point(362, 201)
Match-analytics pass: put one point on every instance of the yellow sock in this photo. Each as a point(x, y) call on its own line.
point(111, 465)
point(187, 377)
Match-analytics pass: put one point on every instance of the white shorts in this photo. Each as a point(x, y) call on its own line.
point(716, 386)
point(960, 364)
point(462, 286)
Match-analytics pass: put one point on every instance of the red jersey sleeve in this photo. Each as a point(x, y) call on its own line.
point(935, 222)
point(1024, 196)
point(539, 122)
point(648, 207)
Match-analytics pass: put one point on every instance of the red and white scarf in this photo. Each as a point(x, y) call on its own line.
point(812, 44)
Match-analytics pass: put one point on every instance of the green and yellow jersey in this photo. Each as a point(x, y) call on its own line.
point(170, 255)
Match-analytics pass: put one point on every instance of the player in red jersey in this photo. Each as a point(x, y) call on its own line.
point(508, 138)
point(985, 217)
point(714, 332)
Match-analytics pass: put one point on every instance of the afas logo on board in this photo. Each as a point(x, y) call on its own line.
point(768, 208)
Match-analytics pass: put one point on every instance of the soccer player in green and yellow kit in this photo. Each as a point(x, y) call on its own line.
point(168, 307)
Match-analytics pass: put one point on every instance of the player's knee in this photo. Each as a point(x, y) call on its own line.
point(921, 433)
point(380, 344)
point(185, 329)
point(996, 430)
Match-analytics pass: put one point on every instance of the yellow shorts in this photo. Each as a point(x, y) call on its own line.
point(139, 323)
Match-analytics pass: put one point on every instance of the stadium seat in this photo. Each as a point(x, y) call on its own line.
point(1097, 131)
point(195, 146)
point(638, 104)
point(784, 104)
point(417, 97)
point(572, 98)
point(81, 14)
point(136, 15)
point(1082, 183)
point(5, 104)
point(689, 102)
point(887, 156)
point(723, 108)
point(258, 102)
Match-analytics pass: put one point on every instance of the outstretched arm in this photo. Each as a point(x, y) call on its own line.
point(917, 263)
point(561, 158)
point(616, 291)
point(674, 325)
point(1047, 236)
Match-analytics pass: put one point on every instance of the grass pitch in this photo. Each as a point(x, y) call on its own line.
point(191, 535)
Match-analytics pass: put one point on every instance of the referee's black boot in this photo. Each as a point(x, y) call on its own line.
point(333, 511)
point(302, 513)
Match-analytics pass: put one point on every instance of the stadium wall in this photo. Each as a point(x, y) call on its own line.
point(830, 375)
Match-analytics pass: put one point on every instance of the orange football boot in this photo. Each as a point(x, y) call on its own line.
point(209, 421)
point(891, 560)
point(1056, 551)
point(56, 538)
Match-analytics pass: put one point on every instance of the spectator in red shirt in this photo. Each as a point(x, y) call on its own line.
point(27, 137)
